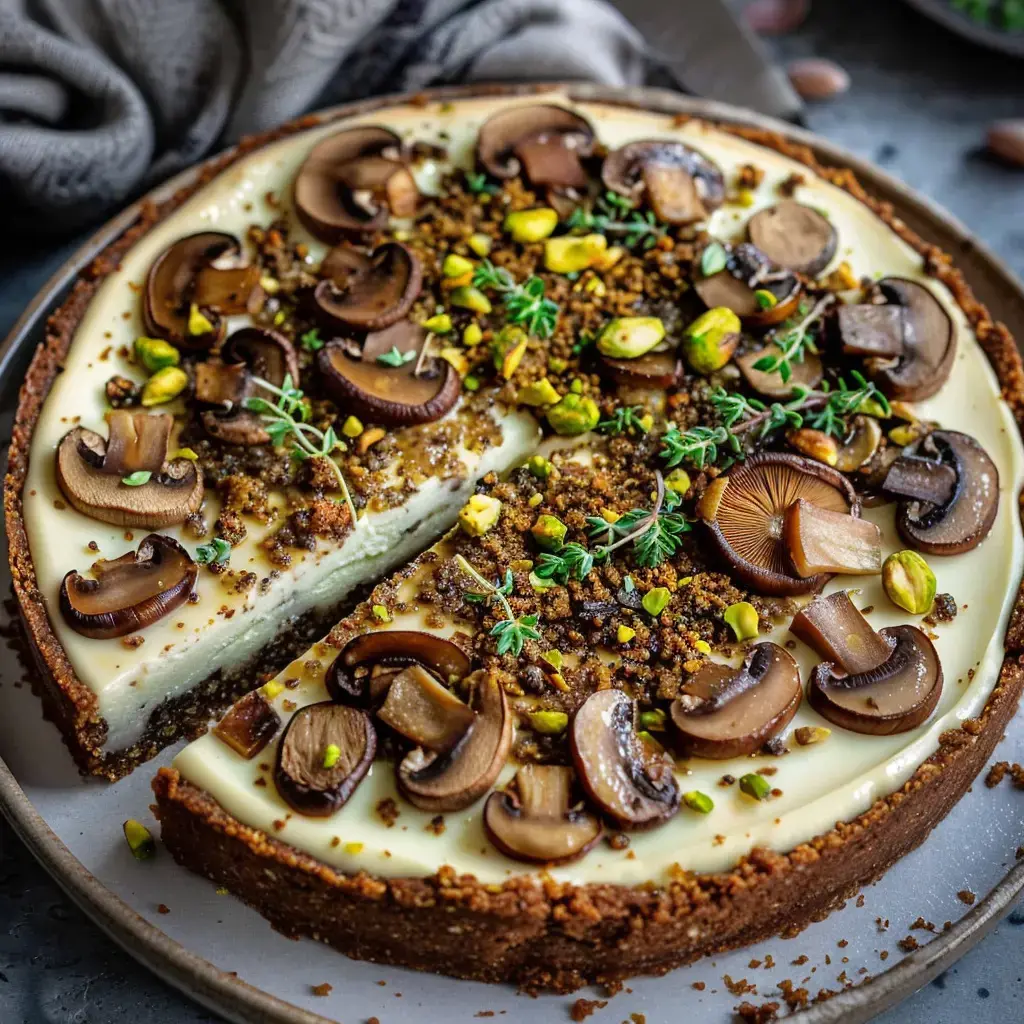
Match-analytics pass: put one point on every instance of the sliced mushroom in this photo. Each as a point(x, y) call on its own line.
point(965, 519)
point(264, 353)
point(342, 263)
point(859, 445)
point(325, 752)
point(807, 373)
point(745, 512)
point(182, 275)
point(90, 475)
point(834, 628)
point(351, 180)
point(391, 395)
point(871, 330)
point(892, 697)
point(129, 593)
point(794, 236)
point(543, 141)
point(452, 781)
point(424, 711)
point(349, 679)
point(377, 296)
point(681, 185)
point(224, 385)
point(747, 271)
point(538, 819)
point(628, 784)
point(915, 478)
point(929, 343)
point(236, 427)
point(725, 712)
point(249, 726)
point(658, 370)
point(819, 540)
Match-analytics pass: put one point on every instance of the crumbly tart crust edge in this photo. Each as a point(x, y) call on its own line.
point(70, 703)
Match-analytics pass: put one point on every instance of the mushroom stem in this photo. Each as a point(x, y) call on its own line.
point(423, 353)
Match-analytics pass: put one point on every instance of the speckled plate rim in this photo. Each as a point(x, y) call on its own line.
point(942, 11)
point(228, 995)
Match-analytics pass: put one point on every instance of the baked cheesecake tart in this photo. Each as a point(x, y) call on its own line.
point(724, 624)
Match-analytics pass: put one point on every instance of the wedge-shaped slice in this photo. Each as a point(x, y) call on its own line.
point(834, 628)
point(819, 540)
point(424, 711)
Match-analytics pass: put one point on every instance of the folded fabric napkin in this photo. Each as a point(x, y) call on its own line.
point(101, 98)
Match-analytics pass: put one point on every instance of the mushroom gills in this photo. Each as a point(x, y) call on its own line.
point(631, 785)
point(833, 628)
point(794, 236)
point(893, 697)
point(129, 593)
point(424, 711)
point(819, 540)
point(324, 754)
point(536, 819)
point(725, 712)
point(249, 725)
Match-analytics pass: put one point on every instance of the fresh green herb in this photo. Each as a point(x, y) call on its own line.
point(286, 419)
point(525, 303)
point(584, 341)
point(137, 479)
point(842, 402)
point(793, 341)
point(311, 340)
point(613, 214)
point(713, 259)
point(477, 183)
point(510, 632)
point(736, 409)
point(217, 552)
point(393, 357)
point(571, 561)
point(697, 446)
point(625, 419)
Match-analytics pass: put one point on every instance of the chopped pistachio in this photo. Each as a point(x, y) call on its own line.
point(745, 197)
point(352, 427)
point(508, 349)
point(280, 316)
point(654, 720)
point(570, 254)
point(164, 386)
point(679, 481)
point(155, 353)
point(742, 619)
point(573, 415)
point(470, 383)
point(630, 337)
point(842, 279)
point(595, 286)
point(765, 299)
point(479, 514)
point(698, 801)
point(624, 634)
point(272, 689)
point(472, 335)
point(576, 387)
point(332, 755)
point(456, 266)
point(539, 467)
point(468, 297)
point(556, 365)
point(535, 499)
point(456, 358)
point(702, 645)
point(554, 659)
point(904, 434)
point(140, 839)
point(656, 600)
point(441, 323)
point(198, 322)
point(548, 532)
point(607, 259)
point(480, 243)
point(808, 735)
point(549, 723)
point(711, 339)
point(531, 225)
point(756, 786)
point(270, 285)
point(381, 613)
point(909, 582)
point(540, 392)
point(353, 848)
point(183, 453)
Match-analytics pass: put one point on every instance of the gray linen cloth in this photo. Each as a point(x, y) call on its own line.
point(100, 98)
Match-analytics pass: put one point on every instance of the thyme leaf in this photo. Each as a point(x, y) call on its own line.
point(511, 632)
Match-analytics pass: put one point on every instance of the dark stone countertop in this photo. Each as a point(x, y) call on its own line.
point(917, 110)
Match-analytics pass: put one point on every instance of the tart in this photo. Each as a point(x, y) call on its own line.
point(721, 628)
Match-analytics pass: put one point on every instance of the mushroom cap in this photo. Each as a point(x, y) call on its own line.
point(965, 520)
point(171, 284)
point(390, 395)
point(929, 343)
point(731, 287)
point(377, 296)
point(745, 512)
point(452, 781)
point(171, 495)
point(350, 161)
point(265, 353)
point(391, 649)
point(894, 697)
point(860, 444)
point(725, 712)
point(633, 789)
point(239, 427)
point(794, 236)
point(536, 818)
point(128, 593)
point(659, 370)
point(807, 373)
point(538, 127)
point(681, 184)
point(303, 779)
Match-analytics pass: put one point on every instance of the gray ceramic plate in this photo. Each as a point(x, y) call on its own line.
point(225, 956)
point(962, 24)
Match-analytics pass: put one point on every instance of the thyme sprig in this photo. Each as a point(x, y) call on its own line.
point(287, 420)
point(613, 214)
point(511, 632)
point(572, 561)
point(794, 341)
point(525, 303)
point(625, 419)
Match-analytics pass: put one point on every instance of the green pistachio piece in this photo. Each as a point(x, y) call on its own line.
point(539, 467)
point(332, 755)
point(570, 254)
point(656, 600)
point(479, 514)
point(548, 532)
point(531, 225)
point(624, 634)
point(549, 723)
point(653, 721)
point(456, 266)
point(742, 619)
point(756, 786)
point(508, 349)
point(554, 658)
point(472, 335)
point(198, 321)
point(540, 392)
point(352, 427)
point(679, 481)
point(140, 839)
point(573, 414)
point(441, 323)
point(711, 339)
point(468, 297)
point(630, 337)
point(164, 386)
point(909, 582)
point(480, 244)
point(698, 801)
point(155, 353)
